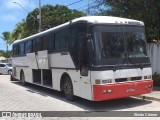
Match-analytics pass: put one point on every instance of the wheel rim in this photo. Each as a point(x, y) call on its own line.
point(68, 88)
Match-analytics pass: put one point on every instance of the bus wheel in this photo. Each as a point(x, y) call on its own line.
point(68, 89)
point(22, 78)
point(11, 78)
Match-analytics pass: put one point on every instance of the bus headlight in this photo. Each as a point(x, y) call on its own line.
point(106, 81)
point(148, 77)
point(97, 81)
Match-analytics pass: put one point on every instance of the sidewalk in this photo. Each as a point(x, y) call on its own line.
point(155, 95)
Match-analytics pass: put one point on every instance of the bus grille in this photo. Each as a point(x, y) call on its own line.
point(126, 79)
point(121, 80)
point(136, 78)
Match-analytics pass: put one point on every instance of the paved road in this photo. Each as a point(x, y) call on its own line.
point(15, 97)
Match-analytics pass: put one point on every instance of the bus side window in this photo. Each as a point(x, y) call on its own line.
point(34, 45)
point(37, 44)
point(28, 46)
point(78, 41)
point(21, 49)
point(44, 40)
point(50, 44)
point(61, 39)
point(25, 50)
point(16, 50)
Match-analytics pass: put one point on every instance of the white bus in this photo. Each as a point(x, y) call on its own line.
point(95, 57)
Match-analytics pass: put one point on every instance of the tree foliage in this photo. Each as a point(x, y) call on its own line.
point(147, 11)
point(6, 37)
point(6, 54)
point(51, 17)
point(19, 30)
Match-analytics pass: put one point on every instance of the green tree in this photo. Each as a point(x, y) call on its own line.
point(51, 17)
point(6, 54)
point(147, 11)
point(7, 38)
point(2, 53)
point(19, 30)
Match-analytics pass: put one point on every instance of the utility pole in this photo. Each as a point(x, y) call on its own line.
point(88, 8)
point(40, 16)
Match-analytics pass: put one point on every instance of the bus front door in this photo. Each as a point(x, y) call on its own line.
point(85, 84)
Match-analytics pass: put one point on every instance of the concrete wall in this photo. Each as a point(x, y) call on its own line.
point(153, 50)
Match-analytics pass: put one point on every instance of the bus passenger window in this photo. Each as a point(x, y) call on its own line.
point(28, 46)
point(16, 50)
point(78, 41)
point(37, 45)
point(44, 42)
point(61, 39)
point(21, 49)
point(50, 41)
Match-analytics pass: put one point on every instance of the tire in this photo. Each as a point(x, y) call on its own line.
point(9, 72)
point(22, 78)
point(11, 78)
point(68, 89)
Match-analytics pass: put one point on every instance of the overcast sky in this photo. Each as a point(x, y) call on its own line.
point(11, 13)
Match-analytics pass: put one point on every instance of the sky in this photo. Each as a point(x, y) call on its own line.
point(11, 13)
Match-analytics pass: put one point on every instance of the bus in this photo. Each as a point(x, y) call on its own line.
point(93, 57)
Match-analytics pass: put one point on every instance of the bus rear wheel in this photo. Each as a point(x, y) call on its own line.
point(22, 78)
point(68, 89)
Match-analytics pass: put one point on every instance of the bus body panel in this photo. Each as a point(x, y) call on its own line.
point(121, 90)
point(61, 60)
point(20, 61)
point(81, 84)
point(131, 86)
point(123, 73)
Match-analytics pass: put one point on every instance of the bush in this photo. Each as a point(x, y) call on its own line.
point(156, 79)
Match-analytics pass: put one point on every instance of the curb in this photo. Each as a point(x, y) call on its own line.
point(148, 97)
point(144, 97)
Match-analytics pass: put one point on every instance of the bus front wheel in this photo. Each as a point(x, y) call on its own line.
point(68, 89)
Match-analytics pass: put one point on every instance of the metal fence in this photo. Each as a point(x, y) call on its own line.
point(153, 50)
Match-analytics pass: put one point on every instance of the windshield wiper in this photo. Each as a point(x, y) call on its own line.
point(141, 65)
point(118, 66)
point(115, 67)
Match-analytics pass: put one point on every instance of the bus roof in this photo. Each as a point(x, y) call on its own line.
point(90, 19)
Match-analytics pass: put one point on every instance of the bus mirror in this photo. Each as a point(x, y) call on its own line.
point(84, 71)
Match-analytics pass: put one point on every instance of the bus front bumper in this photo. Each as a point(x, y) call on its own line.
point(121, 90)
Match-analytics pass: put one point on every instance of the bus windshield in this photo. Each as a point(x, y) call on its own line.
point(118, 44)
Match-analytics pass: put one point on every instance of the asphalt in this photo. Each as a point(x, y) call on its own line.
point(154, 95)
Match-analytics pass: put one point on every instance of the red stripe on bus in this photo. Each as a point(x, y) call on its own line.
point(121, 90)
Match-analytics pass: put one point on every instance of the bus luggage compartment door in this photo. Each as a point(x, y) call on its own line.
point(43, 59)
point(32, 61)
